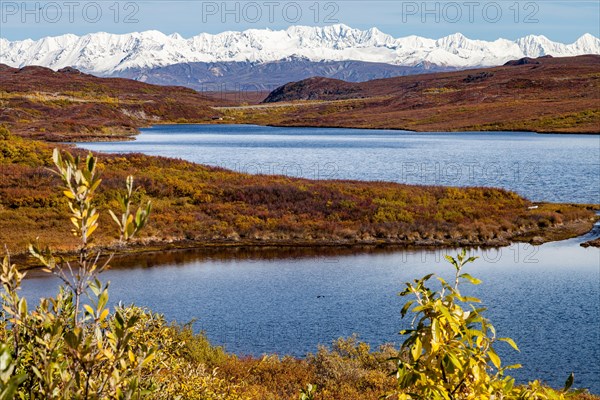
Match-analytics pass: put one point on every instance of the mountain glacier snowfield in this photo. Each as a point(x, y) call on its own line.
point(105, 54)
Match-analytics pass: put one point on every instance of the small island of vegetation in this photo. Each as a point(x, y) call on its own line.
point(199, 206)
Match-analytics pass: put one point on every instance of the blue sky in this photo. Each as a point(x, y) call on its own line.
point(562, 21)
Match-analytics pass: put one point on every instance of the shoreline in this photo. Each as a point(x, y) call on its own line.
point(132, 137)
point(151, 247)
point(541, 221)
point(451, 131)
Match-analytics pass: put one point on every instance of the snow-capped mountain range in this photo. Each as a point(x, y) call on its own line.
point(106, 54)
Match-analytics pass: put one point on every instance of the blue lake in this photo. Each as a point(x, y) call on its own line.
point(265, 301)
point(561, 168)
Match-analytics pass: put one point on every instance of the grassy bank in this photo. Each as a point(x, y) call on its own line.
point(202, 206)
point(346, 369)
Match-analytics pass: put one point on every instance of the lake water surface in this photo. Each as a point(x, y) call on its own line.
point(547, 298)
point(288, 301)
point(561, 168)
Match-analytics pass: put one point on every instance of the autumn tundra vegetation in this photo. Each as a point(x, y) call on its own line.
point(75, 346)
point(198, 205)
point(55, 209)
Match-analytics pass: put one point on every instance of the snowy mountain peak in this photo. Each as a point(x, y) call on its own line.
point(587, 41)
point(587, 37)
point(454, 42)
point(455, 37)
point(104, 53)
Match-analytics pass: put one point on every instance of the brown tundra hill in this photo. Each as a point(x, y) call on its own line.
point(543, 95)
point(63, 105)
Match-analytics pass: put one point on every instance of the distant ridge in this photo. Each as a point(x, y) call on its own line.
point(257, 76)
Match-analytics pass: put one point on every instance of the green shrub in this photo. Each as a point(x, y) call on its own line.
point(196, 348)
point(65, 348)
point(449, 354)
point(4, 133)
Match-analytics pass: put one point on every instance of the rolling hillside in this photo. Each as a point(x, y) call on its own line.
point(544, 95)
point(68, 105)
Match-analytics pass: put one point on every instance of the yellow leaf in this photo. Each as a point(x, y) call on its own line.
point(476, 372)
point(148, 359)
point(103, 315)
point(131, 356)
point(479, 341)
point(89, 309)
point(91, 230)
point(494, 358)
point(416, 349)
point(511, 343)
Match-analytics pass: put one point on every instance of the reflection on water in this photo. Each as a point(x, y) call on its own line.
point(287, 301)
